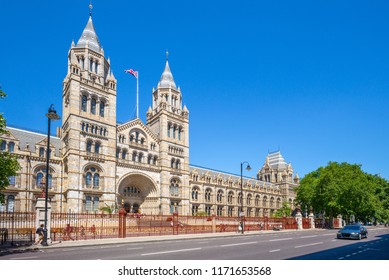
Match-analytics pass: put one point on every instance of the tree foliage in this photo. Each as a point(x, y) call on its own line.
point(284, 211)
point(8, 162)
point(343, 188)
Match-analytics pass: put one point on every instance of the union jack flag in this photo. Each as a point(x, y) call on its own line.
point(132, 72)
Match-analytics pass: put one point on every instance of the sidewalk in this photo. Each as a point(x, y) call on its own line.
point(109, 241)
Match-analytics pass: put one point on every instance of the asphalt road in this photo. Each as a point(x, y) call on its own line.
point(296, 245)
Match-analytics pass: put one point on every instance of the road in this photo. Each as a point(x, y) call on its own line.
point(293, 245)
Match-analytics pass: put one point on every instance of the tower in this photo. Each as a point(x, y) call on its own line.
point(89, 125)
point(169, 120)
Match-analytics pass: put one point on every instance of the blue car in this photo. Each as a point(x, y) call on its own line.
point(352, 232)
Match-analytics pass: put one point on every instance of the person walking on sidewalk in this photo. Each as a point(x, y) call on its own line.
point(40, 231)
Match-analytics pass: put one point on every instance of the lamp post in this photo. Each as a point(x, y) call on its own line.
point(241, 214)
point(51, 115)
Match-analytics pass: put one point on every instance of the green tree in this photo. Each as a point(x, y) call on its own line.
point(343, 188)
point(8, 162)
point(284, 211)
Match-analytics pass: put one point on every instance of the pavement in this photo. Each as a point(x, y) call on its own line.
point(9, 249)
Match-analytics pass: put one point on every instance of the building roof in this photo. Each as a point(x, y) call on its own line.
point(167, 80)
point(276, 161)
point(30, 139)
point(89, 38)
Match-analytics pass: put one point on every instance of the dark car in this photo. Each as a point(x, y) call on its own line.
point(352, 232)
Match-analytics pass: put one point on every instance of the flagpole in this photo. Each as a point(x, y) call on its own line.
point(137, 95)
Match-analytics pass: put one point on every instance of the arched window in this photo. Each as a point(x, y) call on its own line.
point(195, 193)
point(174, 131)
point(248, 199)
point(41, 152)
point(97, 148)
point(11, 147)
point(102, 107)
point(96, 180)
point(3, 145)
point(92, 177)
point(219, 196)
point(91, 203)
point(173, 188)
point(178, 163)
point(140, 158)
point(93, 106)
point(39, 178)
point(172, 163)
point(88, 179)
point(134, 154)
point(257, 200)
point(117, 152)
point(11, 203)
point(124, 154)
point(208, 193)
point(168, 129)
point(230, 197)
point(50, 181)
point(89, 146)
point(240, 198)
point(12, 180)
point(84, 101)
point(179, 133)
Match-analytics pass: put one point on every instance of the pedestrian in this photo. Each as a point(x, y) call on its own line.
point(93, 231)
point(67, 232)
point(41, 233)
point(82, 232)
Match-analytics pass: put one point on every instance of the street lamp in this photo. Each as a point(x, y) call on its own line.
point(51, 115)
point(241, 214)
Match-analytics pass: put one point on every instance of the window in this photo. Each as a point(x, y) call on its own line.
point(117, 152)
point(92, 178)
point(89, 146)
point(96, 181)
point(12, 180)
point(84, 101)
point(179, 133)
point(195, 209)
point(230, 197)
point(11, 147)
point(88, 179)
point(248, 199)
point(91, 203)
point(174, 184)
point(93, 106)
point(41, 152)
point(11, 203)
point(168, 129)
point(124, 154)
point(97, 148)
point(219, 196)
point(39, 178)
point(220, 210)
point(102, 107)
point(240, 198)
point(230, 211)
point(3, 145)
point(208, 193)
point(208, 209)
point(195, 194)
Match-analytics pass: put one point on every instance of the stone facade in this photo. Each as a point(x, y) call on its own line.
point(95, 162)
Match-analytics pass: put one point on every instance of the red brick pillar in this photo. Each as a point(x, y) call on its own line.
point(122, 223)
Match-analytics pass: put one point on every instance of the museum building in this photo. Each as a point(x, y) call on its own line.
point(95, 162)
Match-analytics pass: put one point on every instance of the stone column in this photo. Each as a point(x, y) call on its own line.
point(40, 215)
point(299, 220)
point(311, 220)
point(340, 220)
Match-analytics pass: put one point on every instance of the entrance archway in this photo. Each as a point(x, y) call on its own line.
point(137, 193)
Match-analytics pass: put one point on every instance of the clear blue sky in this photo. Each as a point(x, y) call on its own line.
point(310, 78)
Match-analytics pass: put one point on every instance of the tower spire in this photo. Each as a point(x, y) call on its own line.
point(90, 8)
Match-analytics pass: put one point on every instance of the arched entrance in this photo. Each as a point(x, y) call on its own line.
point(138, 194)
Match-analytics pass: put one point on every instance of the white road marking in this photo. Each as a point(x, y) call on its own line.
point(238, 244)
point(138, 248)
point(306, 245)
point(110, 246)
point(309, 236)
point(169, 252)
point(327, 234)
point(24, 258)
point(281, 239)
point(276, 250)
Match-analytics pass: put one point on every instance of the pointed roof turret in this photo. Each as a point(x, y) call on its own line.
point(167, 80)
point(89, 37)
